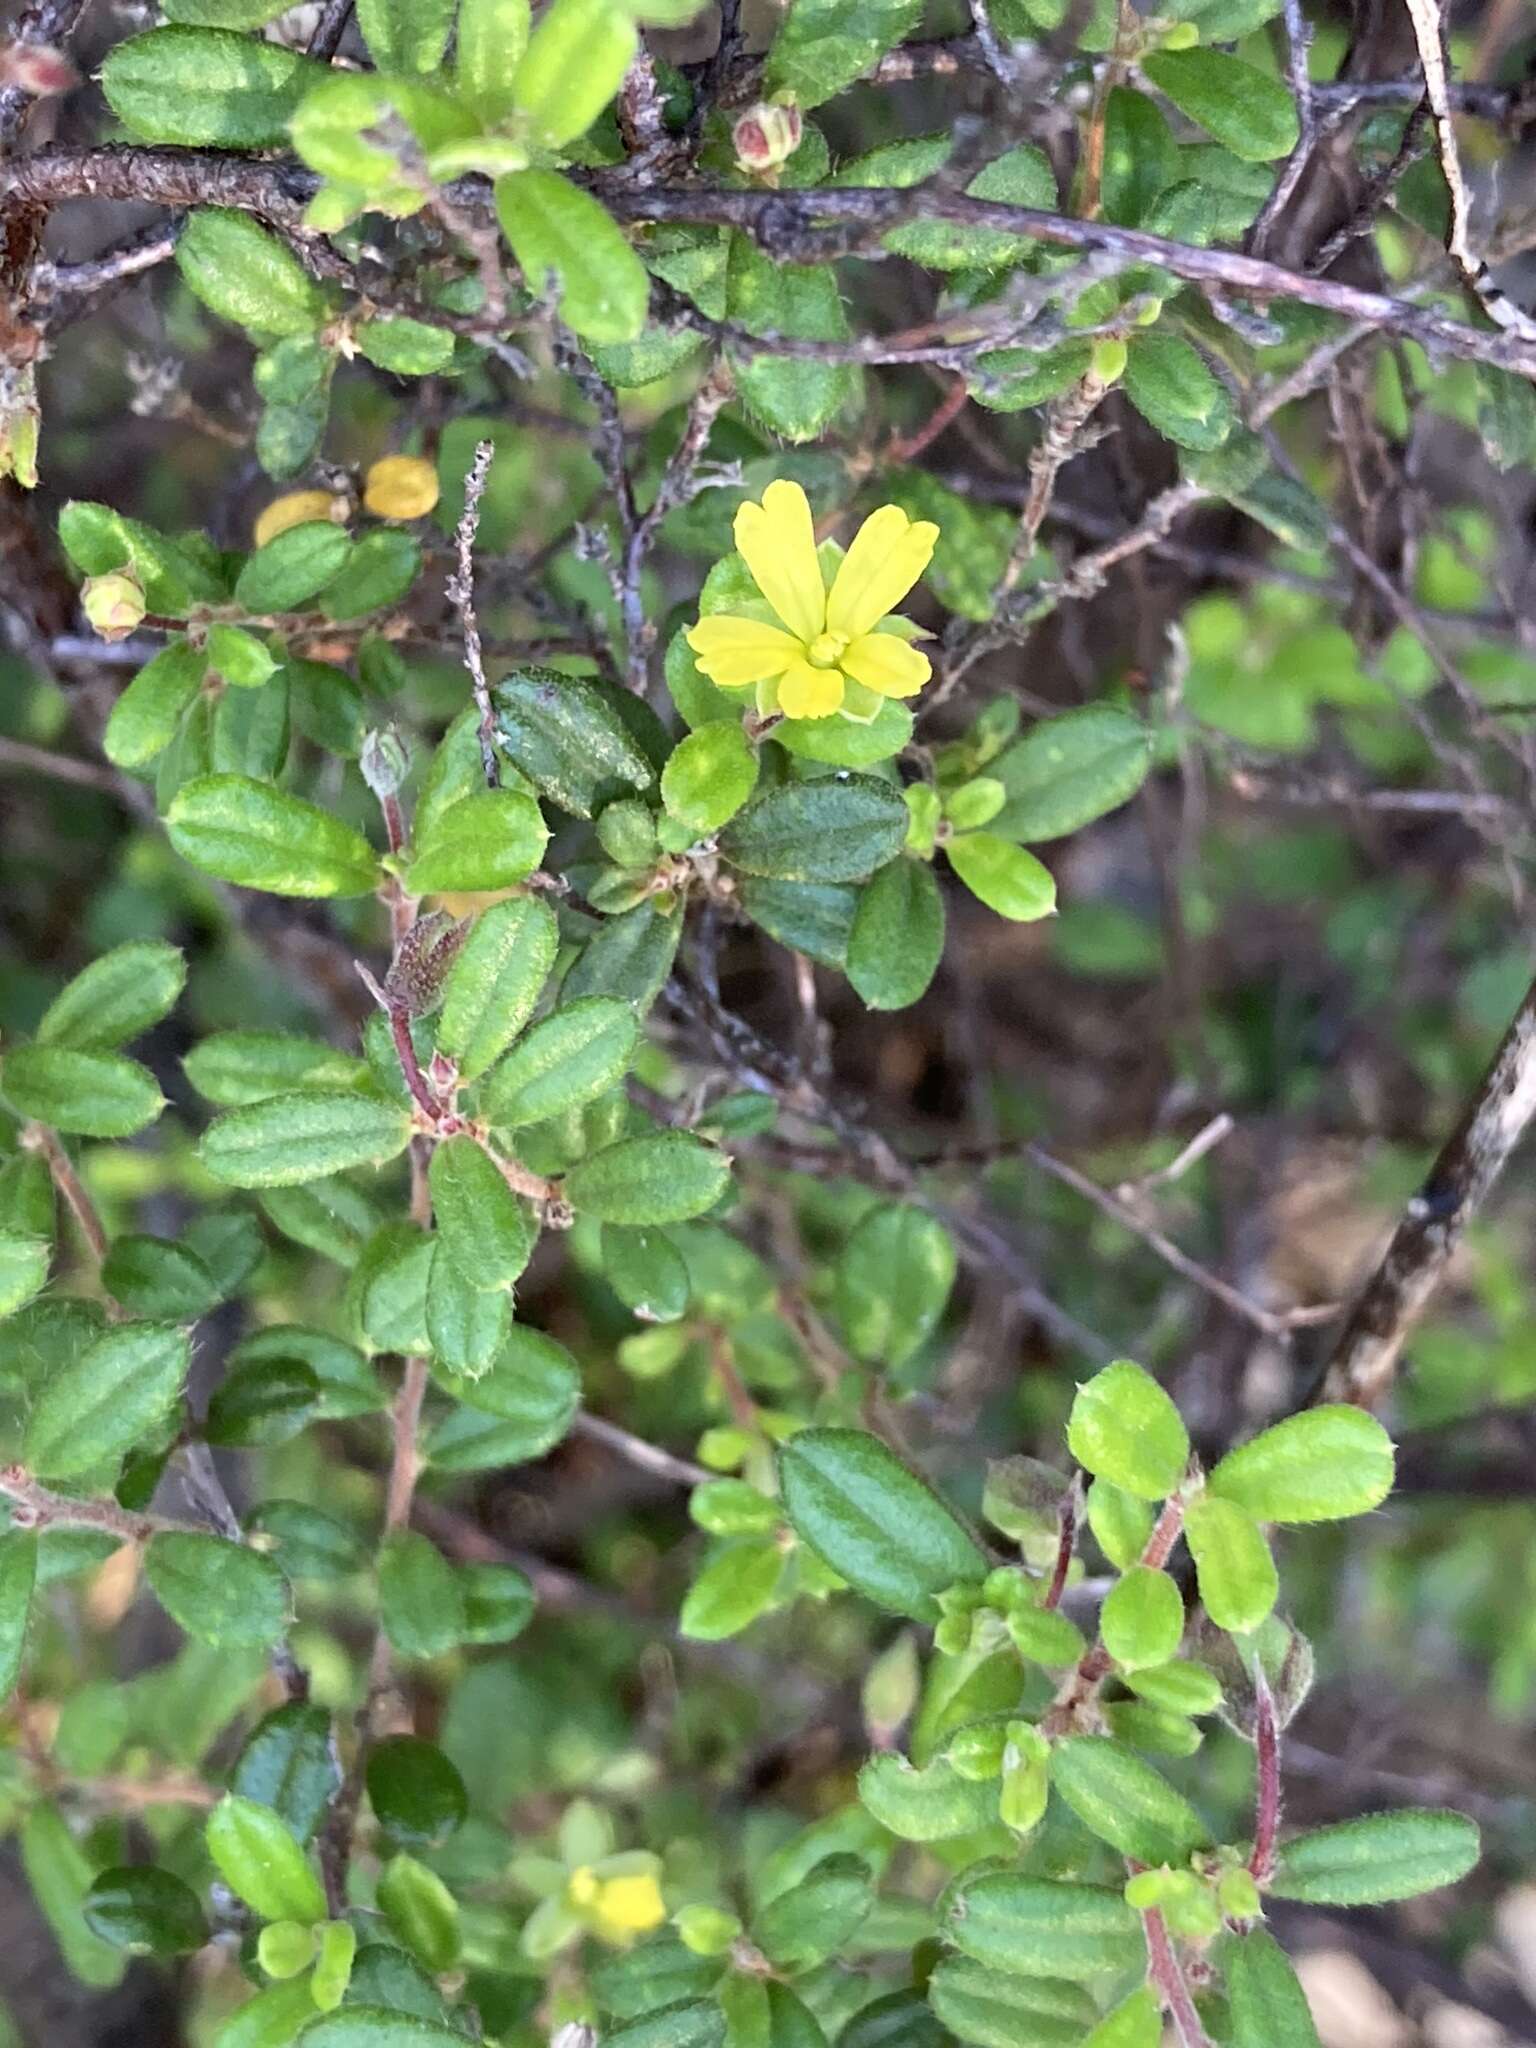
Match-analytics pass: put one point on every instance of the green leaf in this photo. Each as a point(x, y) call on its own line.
point(737, 1584)
point(223, 1593)
point(92, 1094)
point(416, 1793)
point(893, 1281)
point(897, 938)
point(662, 1177)
point(1125, 1429)
point(304, 1543)
point(520, 1407)
point(695, 2023)
point(145, 718)
point(814, 918)
point(263, 838)
point(206, 88)
point(288, 1139)
point(368, 2026)
point(1247, 111)
point(575, 63)
point(1506, 417)
point(145, 1911)
point(559, 232)
point(223, 13)
point(646, 1271)
point(288, 1764)
point(1119, 1797)
point(1381, 1856)
point(1067, 771)
point(572, 738)
point(406, 348)
point(116, 998)
point(236, 1067)
point(1141, 158)
point(18, 1573)
point(810, 1921)
point(498, 1602)
point(1121, 1522)
point(466, 1326)
point(1236, 1572)
point(493, 34)
point(568, 1059)
point(1142, 1619)
point(629, 957)
point(246, 275)
point(379, 572)
point(487, 841)
point(260, 1861)
point(406, 35)
point(794, 397)
point(420, 1601)
point(1022, 176)
point(1178, 1688)
point(839, 829)
point(494, 983)
point(934, 1804)
point(1028, 1927)
point(1136, 2022)
point(24, 1265)
point(1319, 1466)
point(154, 1276)
point(1003, 876)
point(108, 1397)
point(483, 1226)
point(98, 540)
point(1268, 2006)
point(1168, 383)
point(421, 1912)
point(60, 1877)
point(296, 566)
point(827, 44)
point(709, 777)
point(875, 1523)
point(994, 2009)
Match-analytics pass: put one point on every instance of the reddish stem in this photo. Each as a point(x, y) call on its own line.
point(1167, 1979)
point(1066, 1542)
point(410, 1066)
point(1266, 1826)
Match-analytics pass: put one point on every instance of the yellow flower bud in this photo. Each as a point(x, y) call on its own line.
point(400, 487)
point(114, 604)
point(297, 508)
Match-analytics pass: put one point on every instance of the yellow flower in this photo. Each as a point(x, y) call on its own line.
point(400, 487)
point(298, 508)
point(832, 650)
point(629, 1906)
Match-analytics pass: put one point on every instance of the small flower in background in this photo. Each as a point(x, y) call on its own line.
point(400, 487)
point(831, 650)
point(766, 136)
point(588, 1887)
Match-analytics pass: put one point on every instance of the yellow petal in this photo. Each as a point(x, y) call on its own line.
point(297, 508)
point(777, 540)
point(734, 652)
point(888, 554)
point(400, 487)
point(627, 1906)
point(887, 665)
point(806, 692)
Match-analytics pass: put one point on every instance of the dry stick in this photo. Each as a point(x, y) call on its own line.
point(1298, 36)
point(1064, 436)
point(636, 1451)
point(1365, 1357)
point(679, 484)
point(461, 595)
point(329, 29)
point(811, 225)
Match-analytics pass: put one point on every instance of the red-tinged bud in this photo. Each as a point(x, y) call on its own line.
point(766, 136)
point(37, 68)
point(114, 604)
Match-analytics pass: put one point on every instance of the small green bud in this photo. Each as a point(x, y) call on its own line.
point(922, 801)
point(1237, 1895)
point(891, 1689)
point(1026, 1789)
point(626, 831)
point(1184, 35)
point(385, 761)
point(1109, 359)
point(284, 1947)
point(706, 1930)
point(977, 1752)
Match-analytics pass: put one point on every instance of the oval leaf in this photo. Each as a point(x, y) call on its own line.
point(1319, 1466)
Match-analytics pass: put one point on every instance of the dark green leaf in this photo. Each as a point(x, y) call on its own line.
point(94, 1094)
point(289, 1139)
point(1029, 1927)
point(206, 88)
point(897, 938)
point(105, 1399)
point(223, 1593)
point(146, 1911)
point(416, 1793)
point(838, 829)
point(1379, 1857)
point(1067, 771)
point(420, 1600)
point(663, 1177)
point(1120, 1798)
point(893, 1280)
point(565, 1061)
point(288, 1763)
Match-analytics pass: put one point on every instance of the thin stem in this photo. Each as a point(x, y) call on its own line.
point(636, 1451)
point(1080, 1690)
point(1066, 1540)
point(39, 1138)
point(35, 1506)
point(1167, 1979)
point(461, 595)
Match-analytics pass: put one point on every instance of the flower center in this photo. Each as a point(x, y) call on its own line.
point(826, 650)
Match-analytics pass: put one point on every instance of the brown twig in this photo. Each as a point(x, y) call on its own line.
point(1364, 1359)
point(39, 1138)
